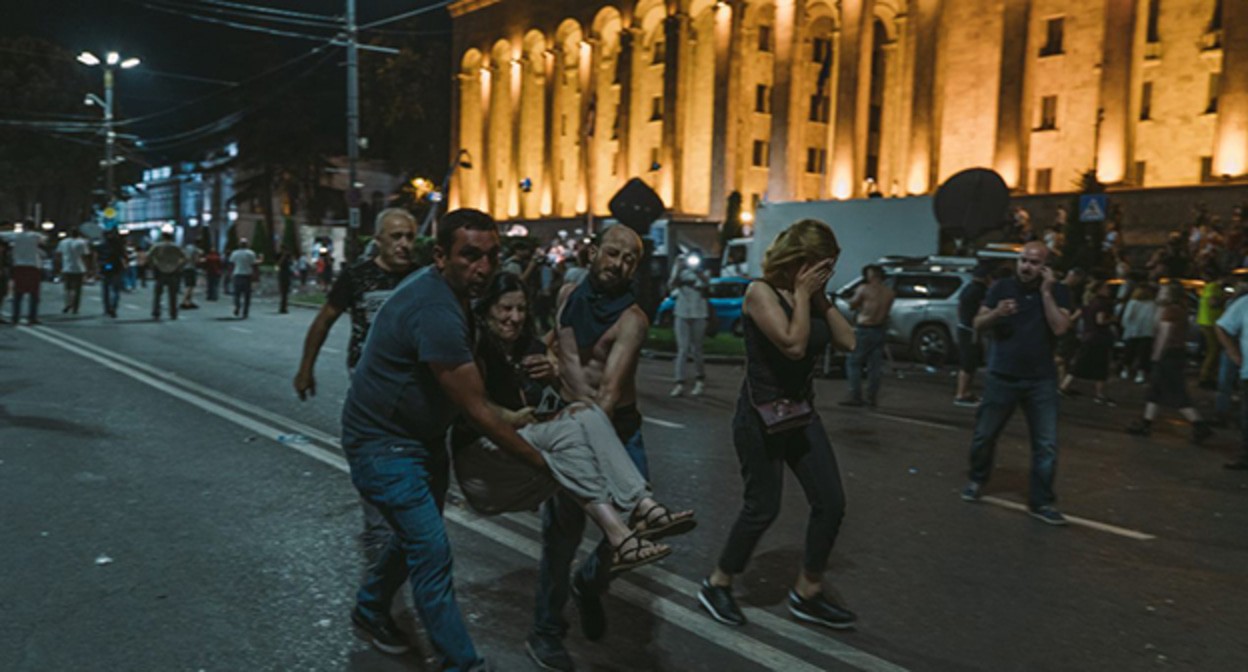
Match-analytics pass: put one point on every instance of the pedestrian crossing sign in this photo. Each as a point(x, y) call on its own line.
point(1092, 207)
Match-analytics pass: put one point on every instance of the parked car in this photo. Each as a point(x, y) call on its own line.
point(726, 296)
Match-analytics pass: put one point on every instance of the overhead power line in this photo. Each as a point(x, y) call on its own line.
point(326, 23)
point(405, 15)
point(271, 10)
point(233, 24)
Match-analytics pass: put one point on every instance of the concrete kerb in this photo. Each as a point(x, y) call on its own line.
point(710, 359)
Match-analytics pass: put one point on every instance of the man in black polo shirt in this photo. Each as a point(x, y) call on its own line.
point(1027, 314)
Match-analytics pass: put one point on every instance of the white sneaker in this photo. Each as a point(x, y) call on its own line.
point(1139, 377)
point(697, 389)
point(677, 391)
point(1125, 374)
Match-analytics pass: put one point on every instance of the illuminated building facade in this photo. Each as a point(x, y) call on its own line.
point(559, 102)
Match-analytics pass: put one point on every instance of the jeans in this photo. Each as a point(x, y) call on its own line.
point(110, 285)
point(563, 524)
point(868, 349)
point(1228, 375)
point(214, 284)
point(1038, 397)
point(407, 483)
point(242, 294)
point(283, 285)
point(73, 291)
point(1208, 367)
point(763, 457)
point(166, 283)
point(689, 334)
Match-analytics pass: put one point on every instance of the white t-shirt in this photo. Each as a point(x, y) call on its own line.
point(26, 250)
point(72, 251)
point(244, 261)
point(1235, 323)
point(687, 289)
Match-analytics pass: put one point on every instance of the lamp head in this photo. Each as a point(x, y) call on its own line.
point(112, 58)
point(88, 58)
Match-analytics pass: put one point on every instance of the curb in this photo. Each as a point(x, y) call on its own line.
point(709, 359)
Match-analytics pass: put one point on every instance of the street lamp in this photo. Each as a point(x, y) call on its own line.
point(112, 61)
point(462, 160)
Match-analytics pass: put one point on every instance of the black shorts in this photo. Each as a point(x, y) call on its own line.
point(970, 351)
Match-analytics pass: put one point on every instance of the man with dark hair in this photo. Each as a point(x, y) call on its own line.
point(970, 347)
point(1027, 314)
point(872, 301)
point(168, 260)
point(244, 261)
point(71, 255)
point(416, 374)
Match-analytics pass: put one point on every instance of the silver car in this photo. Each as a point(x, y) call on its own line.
point(924, 317)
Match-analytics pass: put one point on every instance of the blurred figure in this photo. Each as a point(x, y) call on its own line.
point(5, 262)
point(72, 253)
point(111, 255)
point(27, 262)
point(1168, 386)
point(1233, 335)
point(1139, 324)
point(970, 350)
point(689, 286)
point(1068, 343)
point(1212, 300)
point(190, 273)
point(244, 262)
point(212, 273)
point(285, 274)
point(1096, 343)
point(872, 302)
point(167, 261)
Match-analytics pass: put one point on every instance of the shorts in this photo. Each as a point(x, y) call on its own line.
point(188, 277)
point(970, 351)
point(26, 280)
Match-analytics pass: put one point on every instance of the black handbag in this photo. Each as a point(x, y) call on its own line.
point(783, 414)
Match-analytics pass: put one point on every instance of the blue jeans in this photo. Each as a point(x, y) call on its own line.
point(563, 525)
point(869, 350)
point(110, 285)
point(1038, 397)
point(242, 294)
point(1228, 376)
point(407, 483)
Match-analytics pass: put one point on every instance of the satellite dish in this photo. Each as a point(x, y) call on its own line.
point(972, 201)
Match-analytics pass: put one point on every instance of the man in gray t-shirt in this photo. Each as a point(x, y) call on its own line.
point(415, 375)
point(244, 262)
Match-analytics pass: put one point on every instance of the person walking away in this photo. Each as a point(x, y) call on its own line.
point(1096, 343)
point(111, 254)
point(970, 350)
point(788, 321)
point(168, 262)
point(302, 267)
point(414, 377)
point(1228, 371)
point(1212, 300)
point(285, 274)
point(1168, 385)
point(27, 263)
point(872, 302)
point(244, 262)
point(361, 291)
point(72, 253)
point(689, 288)
point(1026, 314)
point(135, 260)
point(190, 273)
point(1233, 336)
point(5, 263)
point(1068, 343)
point(1139, 324)
point(212, 273)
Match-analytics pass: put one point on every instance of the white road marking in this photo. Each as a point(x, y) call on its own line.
point(662, 423)
point(1075, 520)
point(680, 616)
point(240, 330)
point(915, 421)
point(131, 306)
point(332, 351)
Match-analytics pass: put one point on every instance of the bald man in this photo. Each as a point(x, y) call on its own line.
point(1026, 314)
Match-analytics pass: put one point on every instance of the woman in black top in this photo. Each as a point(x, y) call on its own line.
point(788, 323)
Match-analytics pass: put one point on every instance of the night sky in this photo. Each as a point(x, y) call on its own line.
point(185, 59)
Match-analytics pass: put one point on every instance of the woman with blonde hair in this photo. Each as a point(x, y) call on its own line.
point(788, 321)
point(1168, 385)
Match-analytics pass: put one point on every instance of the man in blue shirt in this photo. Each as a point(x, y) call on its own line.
point(1232, 332)
point(415, 376)
point(1027, 314)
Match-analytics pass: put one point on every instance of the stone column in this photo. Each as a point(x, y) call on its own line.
point(727, 76)
point(624, 66)
point(553, 62)
point(921, 158)
point(675, 34)
point(781, 175)
point(1230, 151)
point(853, 97)
point(1008, 157)
point(1114, 139)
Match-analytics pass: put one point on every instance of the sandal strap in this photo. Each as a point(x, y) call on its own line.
point(625, 553)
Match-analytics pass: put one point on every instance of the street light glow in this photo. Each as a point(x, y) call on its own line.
point(112, 58)
point(129, 63)
point(88, 58)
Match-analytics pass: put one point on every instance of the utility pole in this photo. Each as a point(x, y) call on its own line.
point(110, 136)
point(353, 134)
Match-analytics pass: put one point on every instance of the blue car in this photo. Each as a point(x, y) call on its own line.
point(726, 296)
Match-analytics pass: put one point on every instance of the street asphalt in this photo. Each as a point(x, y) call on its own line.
point(170, 504)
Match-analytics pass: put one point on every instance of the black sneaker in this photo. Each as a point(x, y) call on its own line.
point(383, 633)
point(1047, 514)
point(821, 611)
point(718, 601)
point(548, 653)
point(1200, 432)
point(971, 493)
point(1140, 428)
point(589, 606)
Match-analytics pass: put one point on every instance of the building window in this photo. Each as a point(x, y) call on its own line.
point(1154, 16)
point(1146, 102)
point(615, 123)
point(1044, 180)
point(820, 108)
point(1054, 29)
point(655, 155)
point(656, 108)
point(1139, 170)
point(762, 99)
point(1215, 83)
point(821, 50)
point(764, 39)
point(1206, 169)
point(1048, 113)
point(755, 201)
point(816, 160)
point(762, 154)
point(659, 56)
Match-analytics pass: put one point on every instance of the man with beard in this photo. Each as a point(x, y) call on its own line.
point(361, 290)
point(599, 333)
point(1027, 314)
point(416, 375)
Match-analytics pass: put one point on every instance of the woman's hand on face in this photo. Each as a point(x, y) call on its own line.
point(812, 278)
point(538, 367)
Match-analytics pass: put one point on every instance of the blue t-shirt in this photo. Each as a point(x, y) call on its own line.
point(1022, 344)
point(393, 392)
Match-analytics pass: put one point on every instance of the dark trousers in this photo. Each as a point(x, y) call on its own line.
point(214, 286)
point(563, 524)
point(283, 285)
point(242, 294)
point(1038, 397)
point(73, 291)
point(808, 454)
point(868, 352)
point(166, 283)
point(110, 286)
point(1139, 354)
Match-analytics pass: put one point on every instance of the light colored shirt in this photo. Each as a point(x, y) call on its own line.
point(1235, 323)
point(193, 255)
point(166, 258)
point(1139, 319)
point(688, 287)
point(244, 261)
point(73, 251)
point(26, 251)
point(1207, 314)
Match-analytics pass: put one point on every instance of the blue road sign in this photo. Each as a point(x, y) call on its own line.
point(1093, 207)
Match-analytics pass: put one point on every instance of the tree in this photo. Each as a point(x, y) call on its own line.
point(262, 242)
point(290, 237)
point(231, 239)
point(405, 106)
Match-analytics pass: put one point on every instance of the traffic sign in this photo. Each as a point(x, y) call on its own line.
point(1092, 207)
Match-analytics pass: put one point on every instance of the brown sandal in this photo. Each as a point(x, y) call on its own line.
point(651, 525)
point(628, 554)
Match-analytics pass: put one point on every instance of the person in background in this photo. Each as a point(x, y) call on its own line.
point(1168, 385)
point(72, 253)
point(1233, 336)
point(212, 273)
point(1096, 343)
point(5, 249)
point(1228, 372)
point(1068, 343)
point(285, 274)
point(1139, 324)
point(1212, 300)
point(303, 267)
point(872, 302)
point(135, 259)
point(194, 259)
point(111, 265)
point(970, 349)
point(27, 262)
point(689, 286)
point(244, 262)
point(168, 261)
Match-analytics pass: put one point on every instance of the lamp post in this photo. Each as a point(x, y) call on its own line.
point(430, 226)
point(112, 62)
